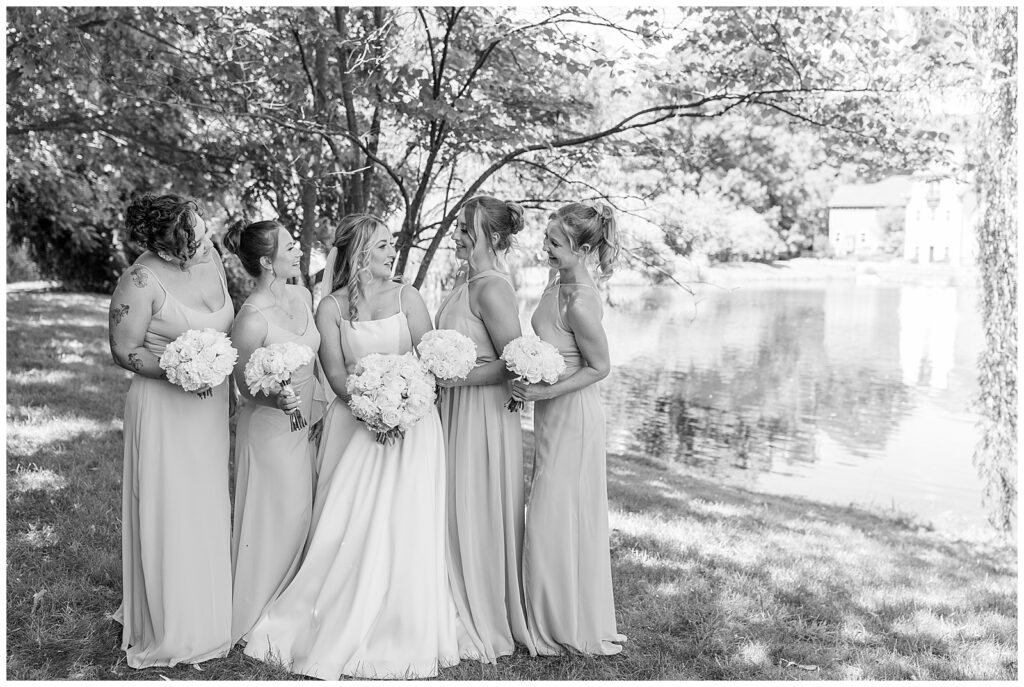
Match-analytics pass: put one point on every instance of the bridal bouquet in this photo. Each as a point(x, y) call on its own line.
point(447, 354)
point(270, 370)
point(533, 359)
point(390, 393)
point(199, 359)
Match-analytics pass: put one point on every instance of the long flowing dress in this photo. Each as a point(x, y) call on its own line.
point(176, 513)
point(485, 495)
point(273, 488)
point(371, 597)
point(566, 560)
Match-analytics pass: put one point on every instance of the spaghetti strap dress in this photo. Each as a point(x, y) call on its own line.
point(371, 597)
point(176, 527)
point(566, 561)
point(273, 488)
point(486, 494)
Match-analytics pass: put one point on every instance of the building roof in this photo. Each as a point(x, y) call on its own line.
point(893, 191)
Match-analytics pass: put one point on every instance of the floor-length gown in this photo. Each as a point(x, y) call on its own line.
point(566, 559)
point(371, 597)
point(176, 529)
point(273, 488)
point(485, 495)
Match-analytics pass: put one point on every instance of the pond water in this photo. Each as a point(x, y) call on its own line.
point(843, 393)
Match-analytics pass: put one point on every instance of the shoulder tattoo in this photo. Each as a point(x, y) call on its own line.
point(139, 277)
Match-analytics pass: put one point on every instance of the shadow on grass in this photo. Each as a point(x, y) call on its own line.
point(851, 592)
point(711, 581)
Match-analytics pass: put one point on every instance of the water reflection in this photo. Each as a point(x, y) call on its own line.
point(928, 318)
point(793, 380)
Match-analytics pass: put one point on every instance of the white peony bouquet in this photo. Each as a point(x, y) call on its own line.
point(199, 359)
point(533, 359)
point(447, 354)
point(270, 370)
point(390, 393)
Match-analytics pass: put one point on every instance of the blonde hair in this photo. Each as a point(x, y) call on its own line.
point(591, 224)
point(353, 241)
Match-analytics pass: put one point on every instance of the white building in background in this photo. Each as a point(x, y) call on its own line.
point(938, 217)
point(940, 221)
point(857, 214)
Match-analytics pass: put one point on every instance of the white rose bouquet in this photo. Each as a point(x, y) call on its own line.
point(390, 393)
point(270, 369)
point(199, 359)
point(533, 359)
point(447, 354)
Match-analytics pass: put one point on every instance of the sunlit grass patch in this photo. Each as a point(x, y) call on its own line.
point(711, 582)
point(34, 477)
point(57, 432)
point(39, 537)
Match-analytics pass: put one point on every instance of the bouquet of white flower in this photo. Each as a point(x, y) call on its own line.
point(199, 359)
point(533, 359)
point(270, 370)
point(447, 354)
point(390, 393)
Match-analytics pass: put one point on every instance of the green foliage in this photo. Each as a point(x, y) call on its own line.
point(308, 113)
point(711, 224)
point(893, 223)
point(20, 266)
point(993, 32)
point(79, 249)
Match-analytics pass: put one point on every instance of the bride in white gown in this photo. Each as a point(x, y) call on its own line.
point(371, 597)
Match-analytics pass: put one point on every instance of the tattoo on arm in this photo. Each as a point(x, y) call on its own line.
point(118, 313)
point(139, 277)
point(134, 361)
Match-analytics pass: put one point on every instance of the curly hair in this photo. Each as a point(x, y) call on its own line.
point(164, 224)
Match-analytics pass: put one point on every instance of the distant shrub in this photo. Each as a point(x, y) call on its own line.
point(83, 253)
point(20, 266)
point(823, 247)
point(240, 284)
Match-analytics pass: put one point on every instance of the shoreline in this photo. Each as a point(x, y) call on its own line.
point(816, 271)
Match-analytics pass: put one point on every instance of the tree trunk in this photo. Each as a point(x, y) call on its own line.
point(356, 195)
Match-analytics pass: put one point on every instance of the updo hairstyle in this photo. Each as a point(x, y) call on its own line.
point(250, 242)
point(487, 216)
point(590, 227)
point(164, 224)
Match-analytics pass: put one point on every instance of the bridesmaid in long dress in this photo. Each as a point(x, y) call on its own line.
point(371, 597)
point(175, 518)
point(566, 561)
point(273, 464)
point(484, 440)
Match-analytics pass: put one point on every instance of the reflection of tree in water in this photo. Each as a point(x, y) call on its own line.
point(754, 408)
point(859, 410)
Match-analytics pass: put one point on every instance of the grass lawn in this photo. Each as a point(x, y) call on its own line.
point(711, 582)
